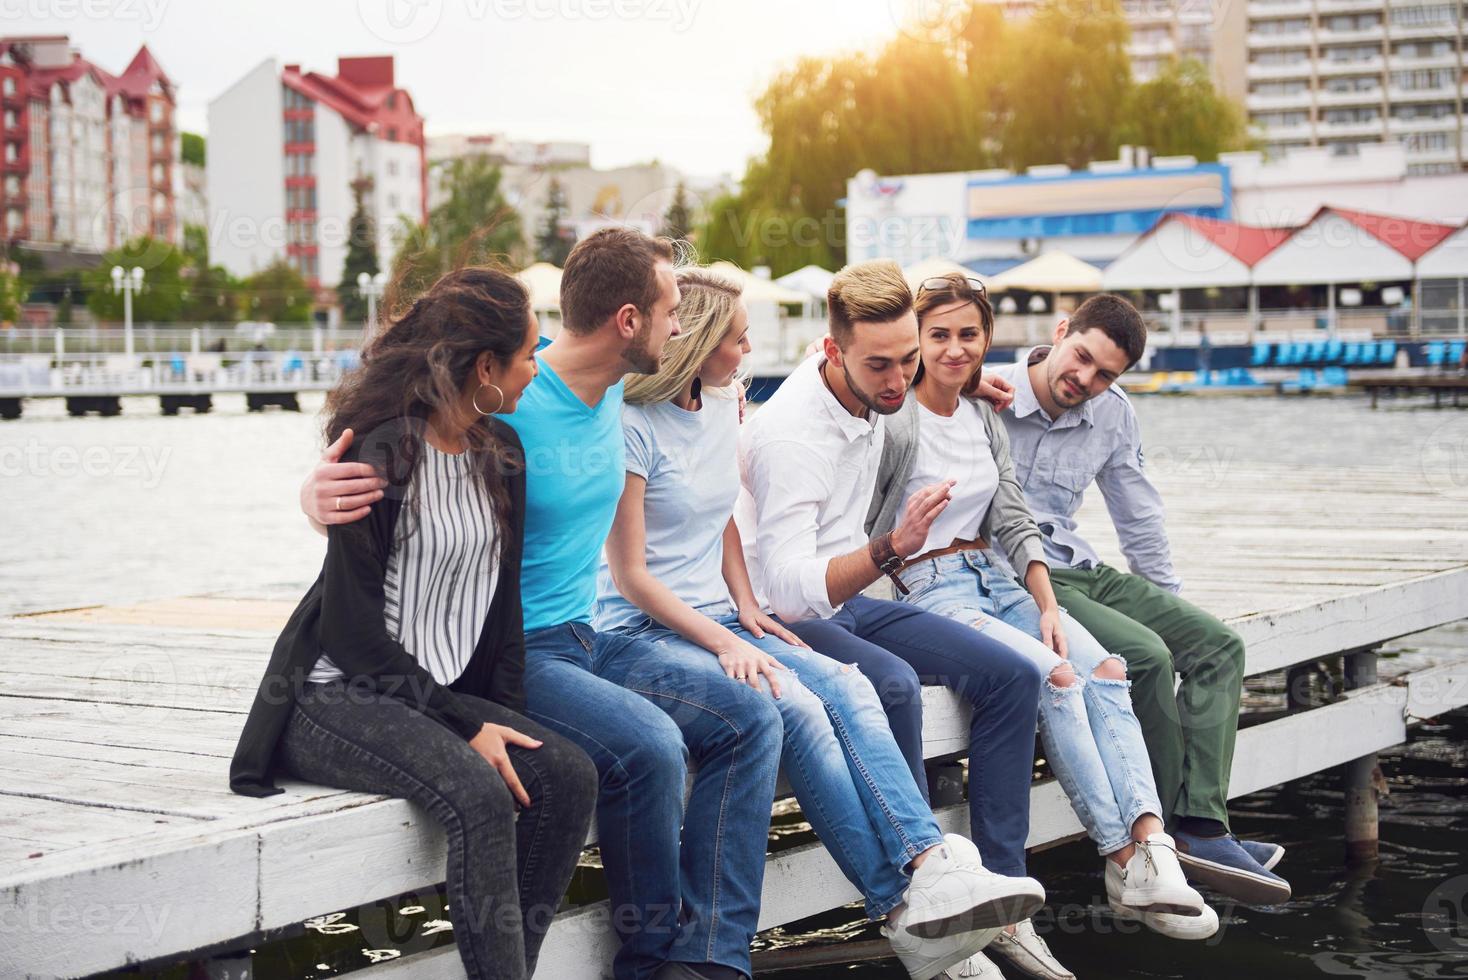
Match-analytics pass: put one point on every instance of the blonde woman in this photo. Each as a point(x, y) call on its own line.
point(675, 577)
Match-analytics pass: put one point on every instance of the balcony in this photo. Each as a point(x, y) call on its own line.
point(1159, 48)
point(1327, 98)
point(1288, 8)
point(1294, 39)
point(1258, 72)
point(1410, 62)
point(1365, 35)
point(1352, 130)
point(1425, 32)
point(1448, 154)
point(1263, 103)
point(1326, 8)
point(1444, 93)
point(1334, 69)
point(1297, 132)
point(1401, 127)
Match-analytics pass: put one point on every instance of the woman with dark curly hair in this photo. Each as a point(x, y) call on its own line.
point(401, 670)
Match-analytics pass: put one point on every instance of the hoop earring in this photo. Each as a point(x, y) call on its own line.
point(475, 399)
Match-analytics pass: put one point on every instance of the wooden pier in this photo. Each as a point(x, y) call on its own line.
point(1453, 385)
point(120, 841)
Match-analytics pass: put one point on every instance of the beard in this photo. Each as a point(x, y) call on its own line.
point(1062, 396)
point(637, 353)
point(869, 400)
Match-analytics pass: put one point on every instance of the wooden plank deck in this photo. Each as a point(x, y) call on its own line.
point(120, 842)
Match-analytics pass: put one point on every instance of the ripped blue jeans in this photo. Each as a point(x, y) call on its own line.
point(850, 778)
point(1092, 736)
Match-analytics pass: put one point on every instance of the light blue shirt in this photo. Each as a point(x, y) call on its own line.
point(573, 479)
point(690, 461)
point(1056, 460)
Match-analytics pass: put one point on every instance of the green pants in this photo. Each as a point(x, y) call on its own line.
point(1190, 735)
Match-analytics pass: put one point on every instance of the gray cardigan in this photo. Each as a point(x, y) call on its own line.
point(1007, 523)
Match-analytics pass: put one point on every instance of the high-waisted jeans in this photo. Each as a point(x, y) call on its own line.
point(506, 871)
point(1092, 736)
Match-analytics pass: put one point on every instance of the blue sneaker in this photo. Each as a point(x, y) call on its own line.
point(1223, 865)
point(1267, 854)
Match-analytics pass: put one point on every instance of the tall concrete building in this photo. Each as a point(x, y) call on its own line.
point(286, 147)
point(1344, 73)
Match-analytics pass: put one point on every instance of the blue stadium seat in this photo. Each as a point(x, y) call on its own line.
point(1455, 353)
point(1261, 354)
point(1386, 352)
point(1437, 350)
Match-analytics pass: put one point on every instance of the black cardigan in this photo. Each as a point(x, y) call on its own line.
point(342, 616)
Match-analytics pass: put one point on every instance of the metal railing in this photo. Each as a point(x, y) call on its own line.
point(108, 338)
point(41, 375)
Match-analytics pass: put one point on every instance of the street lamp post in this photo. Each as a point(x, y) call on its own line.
point(371, 287)
point(127, 282)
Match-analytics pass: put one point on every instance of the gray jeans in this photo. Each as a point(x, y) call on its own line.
point(506, 872)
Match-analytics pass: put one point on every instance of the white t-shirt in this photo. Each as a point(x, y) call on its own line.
point(953, 447)
point(691, 463)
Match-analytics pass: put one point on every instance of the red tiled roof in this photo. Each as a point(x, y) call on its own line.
point(359, 94)
point(1247, 243)
point(1412, 239)
point(140, 74)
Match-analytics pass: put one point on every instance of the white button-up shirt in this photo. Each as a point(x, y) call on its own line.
point(807, 472)
point(1056, 460)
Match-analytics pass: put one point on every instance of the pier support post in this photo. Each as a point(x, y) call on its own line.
point(1362, 776)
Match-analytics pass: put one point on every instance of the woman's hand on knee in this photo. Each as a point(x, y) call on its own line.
point(745, 663)
point(492, 743)
point(758, 624)
point(1052, 633)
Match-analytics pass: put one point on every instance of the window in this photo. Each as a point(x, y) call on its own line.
point(1346, 54)
point(1424, 110)
point(1294, 25)
point(1344, 149)
point(12, 152)
point(1340, 23)
point(1353, 83)
point(1278, 88)
point(1281, 57)
point(1274, 120)
point(1425, 142)
point(392, 168)
point(392, 100)
point(1354, 116)
point(392, 202)
point(1414, 81)
point(157, 109)
point(1422, 16)
point(9, 85)
point(1421, 49)
point(392, 134)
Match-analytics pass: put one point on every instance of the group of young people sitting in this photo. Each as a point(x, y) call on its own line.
point(561, 576)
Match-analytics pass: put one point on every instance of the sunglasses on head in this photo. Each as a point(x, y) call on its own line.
point(936, 283)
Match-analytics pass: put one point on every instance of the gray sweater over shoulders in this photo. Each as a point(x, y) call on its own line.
point(1007, 524)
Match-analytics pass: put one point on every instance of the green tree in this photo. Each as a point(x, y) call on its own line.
point(1181, 112)
point(678, 221)
point(361, 254)
point(161, 298)
point(278, 294)
point(12, 292)
point(473, 225)
point(191, 148)
point(553, 241)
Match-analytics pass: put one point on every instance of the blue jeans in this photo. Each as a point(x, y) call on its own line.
point(1091, 734)
point(899, 648)
point(634, 710)
point(847, 773)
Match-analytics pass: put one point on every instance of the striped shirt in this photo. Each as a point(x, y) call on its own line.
point(442, 569)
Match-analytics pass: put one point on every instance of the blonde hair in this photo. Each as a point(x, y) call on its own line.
point(705, 314)
point(875, 291)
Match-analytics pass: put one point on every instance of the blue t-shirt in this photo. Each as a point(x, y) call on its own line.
point(690, 461)
point(574, 473)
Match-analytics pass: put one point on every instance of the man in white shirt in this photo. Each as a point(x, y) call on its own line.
point(808, 466)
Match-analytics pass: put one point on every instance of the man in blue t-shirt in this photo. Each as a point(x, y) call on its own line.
point(684, 910)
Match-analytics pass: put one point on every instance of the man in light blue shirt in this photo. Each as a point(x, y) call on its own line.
point(1069, 427)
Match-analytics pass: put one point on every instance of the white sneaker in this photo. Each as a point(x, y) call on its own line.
point(1172, 926)
point(978, 967)
point(924, 958)
point(1028, 954)
point(1153, 880)
point(953, 892)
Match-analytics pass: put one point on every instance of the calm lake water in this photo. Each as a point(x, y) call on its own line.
point(141, 506)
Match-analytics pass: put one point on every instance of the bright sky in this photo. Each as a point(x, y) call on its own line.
point(637, 79)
